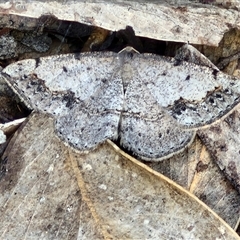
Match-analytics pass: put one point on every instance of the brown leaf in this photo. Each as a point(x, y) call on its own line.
point(50, 191)
point(222, 141)
point(195, 170)
point(148, 20)
point(39, 193)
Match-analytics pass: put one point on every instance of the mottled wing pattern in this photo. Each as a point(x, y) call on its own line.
point(212, 107)
point(151, 104)
point(193, 95)
point(146, 128)
point(81, 93)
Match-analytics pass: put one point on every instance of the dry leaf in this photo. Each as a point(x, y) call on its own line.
point(49, 191)
point(195, 170)
point(148, 19)
point(222, 141)
point(40, 198)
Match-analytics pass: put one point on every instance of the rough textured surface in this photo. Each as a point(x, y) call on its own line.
point(211, 186)
point(195, 170)
point(125, 96)
point(184, 19)
point(227, 51)
point(40, 198)
point(8, 47)
point(206, 184)
point(222, 140)
point(48, 191)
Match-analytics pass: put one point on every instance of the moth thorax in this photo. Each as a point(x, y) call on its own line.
point(127, 75)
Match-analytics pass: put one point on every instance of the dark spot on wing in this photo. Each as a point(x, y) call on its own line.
point(218, 95)
point(65, 69)
point(164, 74)
point(104, 80)
point(211, 100)
point(179, 107)
point(69, 98)
point(215, 72)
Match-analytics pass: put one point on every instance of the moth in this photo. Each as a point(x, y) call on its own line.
point(152, 105)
